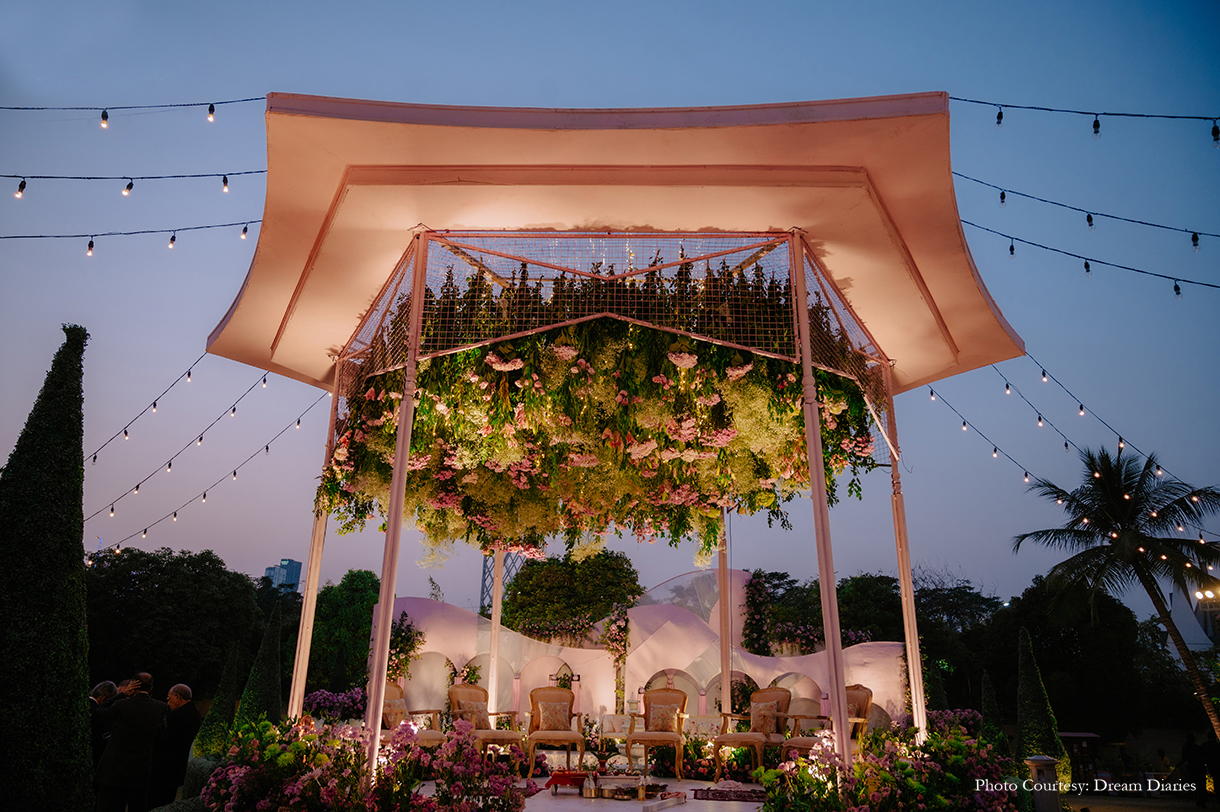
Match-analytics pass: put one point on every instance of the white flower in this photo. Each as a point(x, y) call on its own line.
point(565, 352)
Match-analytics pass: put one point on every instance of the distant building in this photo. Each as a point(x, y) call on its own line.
point(287, 573)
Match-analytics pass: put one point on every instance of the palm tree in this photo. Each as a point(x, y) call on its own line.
point(1125, 525)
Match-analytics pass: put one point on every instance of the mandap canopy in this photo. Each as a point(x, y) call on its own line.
point(563, 323)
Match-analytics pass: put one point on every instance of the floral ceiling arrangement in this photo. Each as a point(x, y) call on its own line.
point(598, 427)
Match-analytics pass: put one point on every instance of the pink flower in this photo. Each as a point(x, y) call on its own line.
point(565, 352)
point(737, 373)
point(683, 360)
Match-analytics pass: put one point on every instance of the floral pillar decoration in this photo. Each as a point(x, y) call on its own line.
point(617, 639)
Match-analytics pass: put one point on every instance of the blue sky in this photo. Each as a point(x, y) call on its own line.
point(1138, 357)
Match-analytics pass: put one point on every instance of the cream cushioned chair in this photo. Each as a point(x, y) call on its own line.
point(551, 723)
point(768, 724)
point(664, 713)
point(469, 702)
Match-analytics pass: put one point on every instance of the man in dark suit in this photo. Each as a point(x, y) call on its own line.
point(125, 769)
point(99, 697)
point(173, 748)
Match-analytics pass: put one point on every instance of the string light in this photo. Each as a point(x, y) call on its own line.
point(200, 440)
point(264, 381)
point(995, 451)
point(1012, 248)
point(21, 191)
point(1153, 514)
point(1087, 270)
point(136, 489)
point(932, 393)
point(1007, 388)
point(233, 413)
point(1003, 199)
point(963, 425)
point(1066, 448)
point(298, 422)
point(89, 250)
point(1044, 376)
point(999, 118)
point(1096, 128)
point(1027, 476)
point(1194, 497)
point(188, 375)
point(1089, 221)
point(1039, 421)
point(1177, 290)
point(1084, 520)
point(105, 119)
point(131, 184)
point(225, 183)
point(173, 238)
point(1159, 471)
point(125, 437)
point(1082, 410)
point(205, 497)
point(268, 448)
point(1121, 444)
point(1216, 144)
point(169, 466)
point(1194, 240)
point(1097, 475)
point(144, 535)
point(175, 515)
point(235, 474)
point(145, 231)
point(211, 112)
point(112, 510)
point(244, 231)
point(1059, 501)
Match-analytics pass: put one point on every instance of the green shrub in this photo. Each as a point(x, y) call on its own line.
point(46, 751)
point(1037, 729)
point(213, 738)
point(261, 697)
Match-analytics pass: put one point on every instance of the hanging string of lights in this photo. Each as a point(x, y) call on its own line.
point(1090, 261)
point(202, 496)
point(105, 111)
point(150, 407)
point(169, 466)
point(1089, 213)
point(173, 232)
point(23, 186)
point(996, 451)
point(1009, 389)
point(1097, 116)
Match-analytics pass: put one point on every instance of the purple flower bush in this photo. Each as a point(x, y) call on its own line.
point(893, 774)
point(347, 705)
point(288, 768)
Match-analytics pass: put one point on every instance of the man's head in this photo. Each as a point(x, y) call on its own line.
point(103, 691)
point(179, 695)
point(141, 683)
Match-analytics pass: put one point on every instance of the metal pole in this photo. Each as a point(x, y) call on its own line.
point(919, 712)
point(726, 628)
point(313, 573)
point(393, 530)
point(821, 514)
point(497, 600)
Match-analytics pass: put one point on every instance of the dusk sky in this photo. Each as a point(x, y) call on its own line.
point(1136, 356)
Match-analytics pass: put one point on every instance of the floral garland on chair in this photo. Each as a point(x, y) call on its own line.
point(594, 428)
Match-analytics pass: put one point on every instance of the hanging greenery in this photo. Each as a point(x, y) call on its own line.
point(598, 427)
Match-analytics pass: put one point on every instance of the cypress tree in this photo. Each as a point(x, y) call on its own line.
point(1037, 728)
point(46, 757)
point(261, 696)
point(992, 731)
point(937, 699)
point(213, 739)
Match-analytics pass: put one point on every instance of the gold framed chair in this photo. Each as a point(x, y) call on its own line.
point(469, 702)
point(807, 723)
point(551, 718)
point(806, 726)
point(768, 724)
point(664, 713)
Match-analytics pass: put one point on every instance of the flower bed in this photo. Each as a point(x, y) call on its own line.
point(337, 706)
point(598, 427)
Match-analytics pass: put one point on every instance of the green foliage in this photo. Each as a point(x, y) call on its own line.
point(934, 686)
point(43, 636)
point(261, 698)
point(870, 603)
point(1037, 729)
point(174, 615)
point(213, 738)
point(405, 643)
point(558, 589)
point(993, 730)
point(755, 631)
point(343, 622)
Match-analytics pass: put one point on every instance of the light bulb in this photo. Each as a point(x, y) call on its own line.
point(1066, 450)
point(169, 466)
point(1177, 290)
point(298, 422)
point(1039, 420)
point(125, 437)
point(1208, 593)
point(1096, 128)
point(999, 118)
point(1082, 410)
point(112, 510)
point(1141, 549)
point(154, 406)
point(1027, 476)
point(211, 112)
point(225, 182)
point(205, 497)
point(1121, 444)
point(1059, 501)
point(1164, 558)
point(1159, 472)
point(1097, 475)
point(1089, 220)
point(1194, 497)
point(264, 381)
point(1007, 388)
point(1194, 237)
point(95, 459)
point(131, 184)
point(144, 535)
point(1126, 496)
point(1181, 529)
point(235, 474)
point(188, 376)
point(21, 191)
point(200, 440)
point(173, 238)
point(1153, 514)
point(1188, 564)
point(1044, 376)
point(175, 515)
point(1113, 535)
point(932, 393)
point(1003, 199)
point(963, 425)
point(89, 250)
point(136, 490)
point(995, 451)
point(1216, 144)
point(1087, 270)
point(1012, 248)
point(267, 449)
point(1198, 594)
point(1085, 520)
point(233, 413)
point(105, 119)
point(244, 231)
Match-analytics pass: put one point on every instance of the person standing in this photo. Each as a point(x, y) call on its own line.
point(124, 772)
point(99, 697)
point(173, 748)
